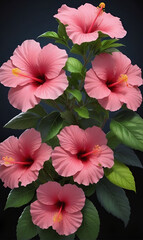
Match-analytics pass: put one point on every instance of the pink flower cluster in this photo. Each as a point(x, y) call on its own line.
point(33, 74)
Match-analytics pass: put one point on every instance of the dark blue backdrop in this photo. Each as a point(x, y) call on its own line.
point(21, 20)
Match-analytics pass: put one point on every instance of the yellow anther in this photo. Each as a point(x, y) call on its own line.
point(16, 71)
point(8, 161)
point(96, 147)
point(102, 5)
point(123, 77)
point(57, 217)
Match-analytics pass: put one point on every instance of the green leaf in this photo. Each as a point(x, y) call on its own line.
point(50, 34)
point(127, 126)
point(79, 49)
point(73, 65)
point(85, 123)
point(113, 141)
point(91, 222)
point(62, 31)
point(50, 125)
point(113, 199)
point(26, 230)
point(74, 79)
point(108, 44)
point(50, 234)
point(68, 117)
point(76, 93)
point(82, 111)
point(23, 121)
point(111, 50)
point(20, 196)
point(127, 156)
point(88, 190)
point(39, 110)
point(121, 176)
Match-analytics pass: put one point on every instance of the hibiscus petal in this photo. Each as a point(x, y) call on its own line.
point(28, 176)
point(25, 56)
point(94, 86)
point(134, 76)
point(40, 156)
point(73, 196)
point(29, 142)
point(132, 97)
point(65, 13)
point(10, 148)
point(47, 193)
point(72, 139)
point(51, 60)
point(105, 157)
point(89, 174)
point(112, 26)
point(112, 102)
point(42, 215)
point(69, 224)
point(11, 175)
point(65, 163)
point(52, 89)
point(23, 98)
point(8, 79)
point(96, 136)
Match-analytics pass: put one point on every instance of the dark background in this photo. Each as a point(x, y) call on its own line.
point(21, 20)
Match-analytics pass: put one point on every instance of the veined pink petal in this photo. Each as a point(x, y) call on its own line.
point(23, 98)
point(96, 136)
point(70, 223)
point(65, 163)
point(53, 88)
point(51, 60)
point(72, 139)
point(29, 142)
point(78, 36)
point(105, 157)
point(41, 155)
point(133, 98)
point(25, 56)
point(8, 79)
point(73, 196)
point(28, 176)
point(112, 26)
point(89, 174)
point(94, 86)
point(42, 215)
point(134, 75)
point(47, 193)
point(112, 102)
point(104, 66)
point(10, 148)
point(10, 175)
point(64, 14)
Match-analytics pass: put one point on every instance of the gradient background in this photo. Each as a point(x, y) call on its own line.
point(21, 20)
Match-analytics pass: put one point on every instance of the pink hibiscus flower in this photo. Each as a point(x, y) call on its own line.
point(82, 154)
point(113, 80)
point(85, 22)
point(59, 207)
point(21, 159)
point(33, 74)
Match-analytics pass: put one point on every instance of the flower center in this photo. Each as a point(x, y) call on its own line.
point(9, 161)
point(121, 79)
point(58, 215)
point(17, 72)
point(84, 156)
point(101, 6)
